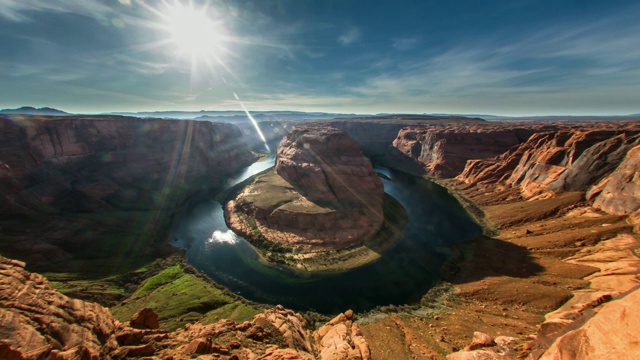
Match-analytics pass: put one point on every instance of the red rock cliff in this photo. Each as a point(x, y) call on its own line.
point(324, 195)
point(325, 165)
point(570, 159)
point(444, 151)
point(102, 162)
point(619, 192)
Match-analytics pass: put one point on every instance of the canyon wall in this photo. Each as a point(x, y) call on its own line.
point(372, 137)
point(444, 151)
point(618, 193)
point(102, 163)
point(595, 159)
point(375, 135)
point(537, 160)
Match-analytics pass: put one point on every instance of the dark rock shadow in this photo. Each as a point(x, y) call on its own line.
point(396, 159)
point(484, 257)
point(395, 219)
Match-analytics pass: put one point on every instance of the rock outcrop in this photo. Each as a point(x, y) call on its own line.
point(323, 195)
point(84, 163)
point(569, 159)
point(444, 151)
point(613, 333)
point(613, 287)
point(40, 323)
point(619, 192)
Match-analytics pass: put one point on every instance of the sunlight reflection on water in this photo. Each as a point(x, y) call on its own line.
point(227, 237)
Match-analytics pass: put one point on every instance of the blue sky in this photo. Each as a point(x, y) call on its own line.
point(494, 57)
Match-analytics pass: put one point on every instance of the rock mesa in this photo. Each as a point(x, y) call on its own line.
point(322, 195)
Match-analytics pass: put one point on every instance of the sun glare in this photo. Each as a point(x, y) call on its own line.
point(195, 34)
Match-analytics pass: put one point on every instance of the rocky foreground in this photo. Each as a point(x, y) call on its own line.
point(40, 323)
point(323, 195)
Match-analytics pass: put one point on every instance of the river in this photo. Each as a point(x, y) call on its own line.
point(402, 275)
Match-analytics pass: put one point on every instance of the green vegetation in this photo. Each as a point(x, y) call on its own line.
point(163, 278)
point(179, 296)
point(236, 311)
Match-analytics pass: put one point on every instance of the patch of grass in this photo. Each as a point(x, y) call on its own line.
point(176, 296)
point(237, 312)
point(106, 290)
point(164, 277)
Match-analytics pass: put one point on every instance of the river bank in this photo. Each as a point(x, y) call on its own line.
point(507, 283)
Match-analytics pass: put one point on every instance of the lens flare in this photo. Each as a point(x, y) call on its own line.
point(255, 123)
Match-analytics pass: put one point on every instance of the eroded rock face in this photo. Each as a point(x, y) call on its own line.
point(619, 193)
point(326, 166)
point(323, 195)
point(341, 338)
point(40, 323)
point(572, 158)
point(569, 160)
point(100, 163)
point(445, 151)
point(612, 333)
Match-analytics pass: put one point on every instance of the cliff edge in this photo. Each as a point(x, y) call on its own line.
point(323, 195)
point(40, 323)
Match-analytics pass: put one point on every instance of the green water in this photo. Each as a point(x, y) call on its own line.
point(404, 273)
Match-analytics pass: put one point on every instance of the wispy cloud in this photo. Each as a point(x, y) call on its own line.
point(562, 62)
point(351, 36)
point(18, 10)
point(404, 44)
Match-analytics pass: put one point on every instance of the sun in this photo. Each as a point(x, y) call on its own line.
point(193, 32)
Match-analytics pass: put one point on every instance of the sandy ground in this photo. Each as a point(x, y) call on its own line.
point(505, 282)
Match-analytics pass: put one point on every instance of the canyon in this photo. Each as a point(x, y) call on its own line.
point(322, 195)
point(78, 193)
point(556, 266)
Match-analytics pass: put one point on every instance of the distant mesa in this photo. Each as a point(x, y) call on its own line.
point(29, 110)
point(323, 195)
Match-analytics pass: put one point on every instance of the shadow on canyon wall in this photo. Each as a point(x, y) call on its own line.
point(470, 262)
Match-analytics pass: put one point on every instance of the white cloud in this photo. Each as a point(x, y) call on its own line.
point(352, 35)
point(404, 44)
point(17, 10)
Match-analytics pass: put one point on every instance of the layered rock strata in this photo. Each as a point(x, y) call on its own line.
point(134, 172)
point(445, 150)
point(40, 323)
point(323, 195)
point(100, 163)
point(619, 192)
point(537, 160)
point(534, 193)
point(586, 159)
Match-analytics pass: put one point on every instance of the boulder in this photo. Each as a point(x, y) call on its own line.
point(480, 340)
point(145, 319)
